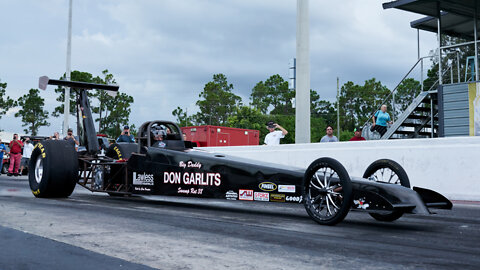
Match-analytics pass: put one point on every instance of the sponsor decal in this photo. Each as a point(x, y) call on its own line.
point(188, 191)
point(192, 178)
point(277, 197)
point(42, 149)
point(142, 189)
point(142, 179)
point(298, 199)
point(267, 186)
point(261, 196)
point(231, 195)
point(360, 203)
point(286, 188)
point(36, 192)
point(119, 154)
point(189, 164)
point(245, 194)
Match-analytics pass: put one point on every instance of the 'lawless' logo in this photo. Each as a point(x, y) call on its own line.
point(143, 179)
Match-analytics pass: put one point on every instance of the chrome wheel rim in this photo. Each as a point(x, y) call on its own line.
point(325, 193)
point(38, 169)
point(385, 175)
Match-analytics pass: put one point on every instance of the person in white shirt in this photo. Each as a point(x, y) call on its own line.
point(273, 138)
point(27, 153)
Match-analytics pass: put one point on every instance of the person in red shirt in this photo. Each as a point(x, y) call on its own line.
point(15, 155)
point(357, 135)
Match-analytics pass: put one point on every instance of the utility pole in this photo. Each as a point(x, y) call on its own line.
point(66, 106)
point(302, 95)
point(338, 108)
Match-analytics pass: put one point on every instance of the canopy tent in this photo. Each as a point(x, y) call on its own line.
point(452, 17)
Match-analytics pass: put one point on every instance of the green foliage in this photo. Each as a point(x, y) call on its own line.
point(74, 76)
point(32, 113)
point(217, 102)
point(181, 117)
point(5, 102)
point(345, 135)
point(318, 126)
point(113, 112)
point(357, 102)
point(274, 93)
point(105, 104)
point(406, 92)
point(246, 117)
point(117, 114)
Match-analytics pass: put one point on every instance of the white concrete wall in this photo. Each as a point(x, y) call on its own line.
point(450, 166)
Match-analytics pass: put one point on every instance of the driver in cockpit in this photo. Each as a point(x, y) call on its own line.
point(159, 135)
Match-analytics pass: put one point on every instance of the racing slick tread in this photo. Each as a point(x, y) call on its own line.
point(60, 169)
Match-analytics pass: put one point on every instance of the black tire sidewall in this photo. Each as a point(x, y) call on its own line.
point(346, 188)
point(60, 169)
point(390, 164)
point(404, 181)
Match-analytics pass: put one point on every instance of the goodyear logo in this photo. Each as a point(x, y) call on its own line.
point(42, 149)
point(267, 186)
point(119, 154)
point(36, 192)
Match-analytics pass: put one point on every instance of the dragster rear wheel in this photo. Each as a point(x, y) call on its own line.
point(327, 190)
point(53, 169)
point(387, 171)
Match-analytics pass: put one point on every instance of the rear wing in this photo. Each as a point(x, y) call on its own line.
point(44, 81)
point(85, 125)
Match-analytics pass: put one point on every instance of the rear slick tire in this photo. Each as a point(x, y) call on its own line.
point(54, 169)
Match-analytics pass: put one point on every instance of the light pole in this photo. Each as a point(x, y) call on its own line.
point(66, 106)
point(302, 95)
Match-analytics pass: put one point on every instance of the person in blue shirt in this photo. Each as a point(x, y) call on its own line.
point(381, 119)
point(126, 136)
point(3, 150)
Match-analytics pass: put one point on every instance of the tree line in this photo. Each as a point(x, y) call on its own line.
point(272, 100)
point(111, 112)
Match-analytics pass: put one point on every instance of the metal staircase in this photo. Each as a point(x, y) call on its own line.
point(419, 120)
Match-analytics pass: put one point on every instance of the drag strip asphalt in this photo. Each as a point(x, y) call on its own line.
point(96, 231)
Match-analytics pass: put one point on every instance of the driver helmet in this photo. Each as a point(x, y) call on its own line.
point(159, 131)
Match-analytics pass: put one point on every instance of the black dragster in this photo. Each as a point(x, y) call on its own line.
point(162, 163)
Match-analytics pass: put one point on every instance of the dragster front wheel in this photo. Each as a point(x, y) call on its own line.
point(53, 169)
point(387, 171)
point(327, 190)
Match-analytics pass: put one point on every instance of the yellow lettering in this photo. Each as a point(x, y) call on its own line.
point(119, 154)
point(36, 192)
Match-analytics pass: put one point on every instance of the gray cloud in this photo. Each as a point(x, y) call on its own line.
point(163, 52)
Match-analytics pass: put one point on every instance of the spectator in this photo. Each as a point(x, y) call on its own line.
point(274, 136)
point(184, 136)
point(357, 135)
point(27, 153)
point(126, 136)
point(380, 120)
point(3, 150)
point(15, 155)
point(55, 136)
point(71, 138)
point(329, 137)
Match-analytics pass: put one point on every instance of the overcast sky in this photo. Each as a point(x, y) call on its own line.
point(163, 52)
